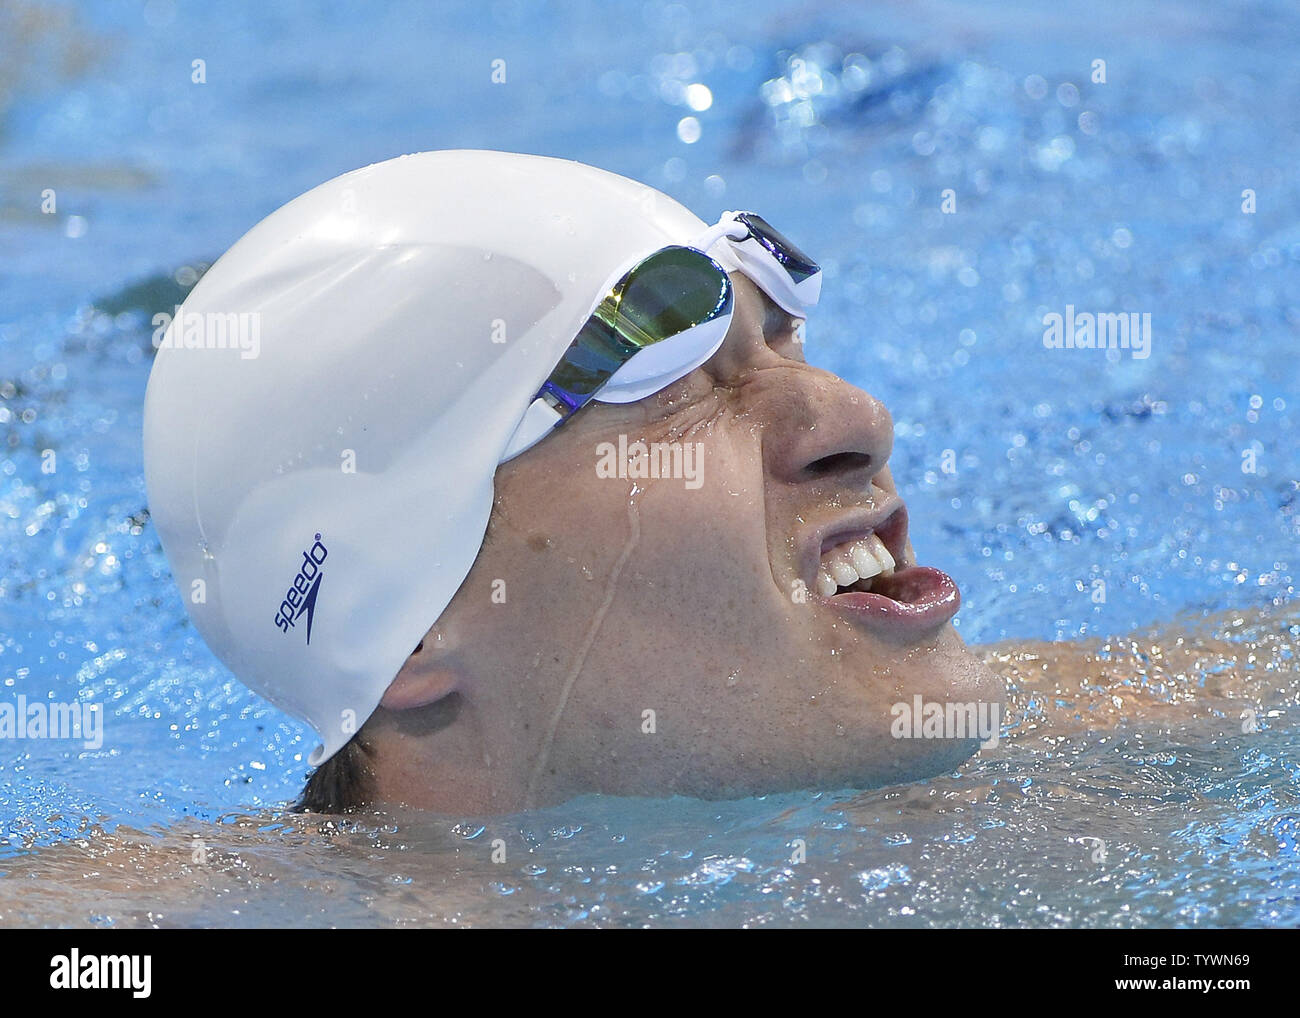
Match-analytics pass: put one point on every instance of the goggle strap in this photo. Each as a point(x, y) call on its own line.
point(558, 400)
point(538, 421)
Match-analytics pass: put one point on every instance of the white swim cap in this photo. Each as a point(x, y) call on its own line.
point(327, 409)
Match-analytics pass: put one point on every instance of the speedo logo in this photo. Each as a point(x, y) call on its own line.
point(300, 598)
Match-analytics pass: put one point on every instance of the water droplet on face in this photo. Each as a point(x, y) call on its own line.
point(733, 678)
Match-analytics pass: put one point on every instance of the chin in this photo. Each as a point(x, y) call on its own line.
point(919, 761)
point(945, 670)
point(943, 677)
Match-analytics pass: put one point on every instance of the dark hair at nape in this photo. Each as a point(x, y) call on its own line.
point(343, 783)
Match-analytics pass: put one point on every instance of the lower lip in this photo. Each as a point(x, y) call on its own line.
point(920, 600)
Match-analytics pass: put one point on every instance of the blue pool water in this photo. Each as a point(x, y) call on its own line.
point(845, 126)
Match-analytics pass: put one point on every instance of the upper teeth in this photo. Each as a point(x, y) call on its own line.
point(845, 564)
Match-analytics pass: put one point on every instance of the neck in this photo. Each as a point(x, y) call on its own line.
point(439, 758)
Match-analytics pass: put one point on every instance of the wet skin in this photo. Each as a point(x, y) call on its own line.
point(623, 597)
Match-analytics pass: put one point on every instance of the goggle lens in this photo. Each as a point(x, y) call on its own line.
point(670, 292)
point(794, 261)
point(676, 289)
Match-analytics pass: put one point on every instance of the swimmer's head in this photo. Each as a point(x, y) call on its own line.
point(646, 615)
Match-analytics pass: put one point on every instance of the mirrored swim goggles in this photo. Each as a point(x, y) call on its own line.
point(665, 316)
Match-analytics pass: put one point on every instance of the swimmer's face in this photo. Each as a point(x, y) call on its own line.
point(658, 636)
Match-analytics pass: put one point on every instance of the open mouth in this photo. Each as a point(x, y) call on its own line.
point(862, 561)
point(865, 571)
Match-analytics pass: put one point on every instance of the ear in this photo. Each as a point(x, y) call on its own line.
point(426, 678)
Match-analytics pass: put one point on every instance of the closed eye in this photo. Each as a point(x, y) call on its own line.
point(783, 331)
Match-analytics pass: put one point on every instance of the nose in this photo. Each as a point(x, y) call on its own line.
point(830, 432)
